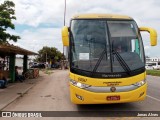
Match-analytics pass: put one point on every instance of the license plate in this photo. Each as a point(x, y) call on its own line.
point(110, 98)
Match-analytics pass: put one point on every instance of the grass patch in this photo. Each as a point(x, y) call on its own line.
point(48, 71)
point(153, 72)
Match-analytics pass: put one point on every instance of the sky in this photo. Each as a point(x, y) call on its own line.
point(39, 22)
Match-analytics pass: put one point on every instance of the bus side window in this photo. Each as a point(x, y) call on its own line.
point(135, 46)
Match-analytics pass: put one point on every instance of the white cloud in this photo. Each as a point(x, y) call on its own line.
point(37, 12)
point(35, 40)
point(43, 37)
point(147, 47)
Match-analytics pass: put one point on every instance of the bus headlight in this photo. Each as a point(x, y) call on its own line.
point(140, 83)
point(78, 84)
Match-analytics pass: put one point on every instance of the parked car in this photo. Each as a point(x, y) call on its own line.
point(155, 65)
point(33, 63)
point(149, 67)
point(39, 65)
point(56, 65)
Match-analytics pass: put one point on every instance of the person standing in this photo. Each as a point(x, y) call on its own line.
point(17, 76)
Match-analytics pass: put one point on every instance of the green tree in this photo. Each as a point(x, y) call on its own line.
point(49, 54)
point(7, 14)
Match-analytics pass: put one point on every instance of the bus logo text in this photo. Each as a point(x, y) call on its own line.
point(82, 79)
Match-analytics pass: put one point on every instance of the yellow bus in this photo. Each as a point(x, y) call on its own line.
point(106, 57)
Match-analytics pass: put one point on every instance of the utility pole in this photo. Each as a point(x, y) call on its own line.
point(64, 25)
point(46, 60)
point(64, 12)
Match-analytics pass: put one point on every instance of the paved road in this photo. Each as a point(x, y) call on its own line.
point(52, 94)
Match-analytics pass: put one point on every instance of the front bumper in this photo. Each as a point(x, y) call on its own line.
point(88, 97)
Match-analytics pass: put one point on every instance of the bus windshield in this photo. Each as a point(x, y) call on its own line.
point(105, 46)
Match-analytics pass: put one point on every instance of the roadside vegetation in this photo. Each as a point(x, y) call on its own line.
point(153, 72)
point(47, 71)
point(7, 16)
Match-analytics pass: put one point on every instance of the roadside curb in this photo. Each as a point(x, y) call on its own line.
point(18, 95)
point(153, 76)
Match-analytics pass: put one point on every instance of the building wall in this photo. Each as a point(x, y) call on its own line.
point(19, 62)
point(155, 59)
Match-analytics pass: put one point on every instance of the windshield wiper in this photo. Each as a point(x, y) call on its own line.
point(122, 62)
point(99, 61)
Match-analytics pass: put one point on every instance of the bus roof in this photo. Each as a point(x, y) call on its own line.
point(98, 16)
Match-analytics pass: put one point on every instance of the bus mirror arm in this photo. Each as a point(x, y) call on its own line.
point(65, 36)
point(153, 35)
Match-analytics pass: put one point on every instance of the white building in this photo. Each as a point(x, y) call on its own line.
point(19, 62)
point(154, 59)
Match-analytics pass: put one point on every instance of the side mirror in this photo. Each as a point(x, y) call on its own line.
point(153, 35)
point(65, 36)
